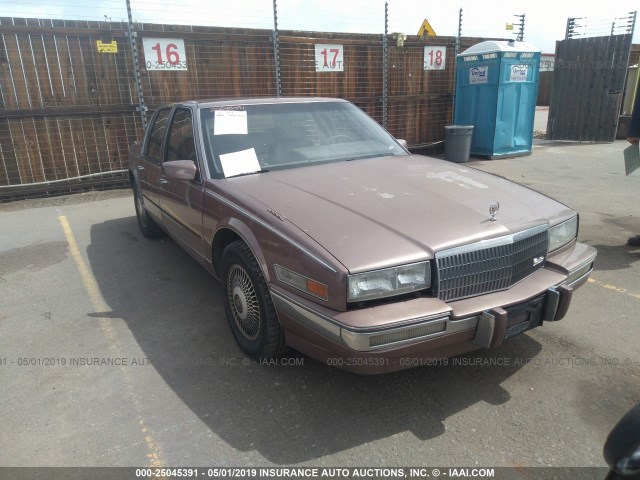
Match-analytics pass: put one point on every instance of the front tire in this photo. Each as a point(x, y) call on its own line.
point(248, 305)
point(148, 226)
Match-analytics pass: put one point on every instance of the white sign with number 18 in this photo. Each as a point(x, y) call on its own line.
point(434, 57)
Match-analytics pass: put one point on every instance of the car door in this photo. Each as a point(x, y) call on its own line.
point(152, 155)
point(181, 200)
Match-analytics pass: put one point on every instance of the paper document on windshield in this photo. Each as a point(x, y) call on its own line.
point(230, 122)
point(237, 163)
point(631, 158)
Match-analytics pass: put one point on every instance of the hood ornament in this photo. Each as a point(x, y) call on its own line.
point(493, 209)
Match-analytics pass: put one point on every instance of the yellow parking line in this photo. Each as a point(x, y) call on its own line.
point(88, 280)
point(99, 305)
point(608, 286)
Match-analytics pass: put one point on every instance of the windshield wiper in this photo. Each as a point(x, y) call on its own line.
point(360, 157)
point(264, 170)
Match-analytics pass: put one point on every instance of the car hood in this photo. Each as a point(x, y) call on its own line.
point(380, 212)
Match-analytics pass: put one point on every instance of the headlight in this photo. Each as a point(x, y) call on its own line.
point(388, 282)
point(563, 233)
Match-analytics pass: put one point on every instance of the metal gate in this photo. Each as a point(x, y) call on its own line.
point(588, 84)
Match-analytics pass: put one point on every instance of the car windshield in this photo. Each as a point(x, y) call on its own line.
point(244, 139)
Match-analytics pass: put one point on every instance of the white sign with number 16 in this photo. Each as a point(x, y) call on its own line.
point(164, 54)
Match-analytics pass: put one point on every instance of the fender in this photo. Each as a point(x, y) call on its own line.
point(244, 232)
point(133, 178)
point(134, 152)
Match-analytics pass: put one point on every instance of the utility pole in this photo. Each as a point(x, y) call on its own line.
point(136, 67)
point(455, 65)
point(520, 25)
point(459, 32)
point(276, 49)
point(385, 67)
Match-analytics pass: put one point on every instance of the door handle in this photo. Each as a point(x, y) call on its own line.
point(163, 181)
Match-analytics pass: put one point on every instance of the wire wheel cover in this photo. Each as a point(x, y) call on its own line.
point(243, 301)
point(141, 210)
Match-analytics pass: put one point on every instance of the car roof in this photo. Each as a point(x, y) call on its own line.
point(221, 102)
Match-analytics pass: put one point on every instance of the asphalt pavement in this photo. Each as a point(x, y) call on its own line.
point(114, 351)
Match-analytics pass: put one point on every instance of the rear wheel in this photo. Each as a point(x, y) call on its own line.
point(248, 305)
point(148, 226)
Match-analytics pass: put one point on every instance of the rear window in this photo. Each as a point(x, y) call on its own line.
point(156, 135)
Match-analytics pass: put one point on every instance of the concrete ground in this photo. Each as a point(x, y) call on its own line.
point(114, 350)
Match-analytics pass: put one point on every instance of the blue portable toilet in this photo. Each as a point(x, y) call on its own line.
point(496, 90)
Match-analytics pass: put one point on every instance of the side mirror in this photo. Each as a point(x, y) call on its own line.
point(180, 170)
point(622, 448)
point(403, 142)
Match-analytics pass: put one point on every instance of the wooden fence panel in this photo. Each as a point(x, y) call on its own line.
point(54, 69)
point(67, 150)
point(420, 101)
point(8, 97)
point(69, 112)
point(221, 62)
point(79, 143)
point(360, 80)
point(14, 74)
point(8, 165)
point(27, 151)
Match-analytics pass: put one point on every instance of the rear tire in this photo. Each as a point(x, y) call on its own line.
point(148, 226)
point(248, 305)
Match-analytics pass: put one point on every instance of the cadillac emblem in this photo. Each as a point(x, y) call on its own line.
point(538, 260)
point(493, 209)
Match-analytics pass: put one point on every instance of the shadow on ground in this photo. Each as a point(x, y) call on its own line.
point(288, 414)
point(616, 257)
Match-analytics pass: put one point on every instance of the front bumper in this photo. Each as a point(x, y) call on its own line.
point(426, 328)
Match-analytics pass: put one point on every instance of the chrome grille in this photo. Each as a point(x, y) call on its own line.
point(490, 266)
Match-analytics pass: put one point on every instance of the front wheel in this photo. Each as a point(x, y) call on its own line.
point(148, 227)
point(248, 305)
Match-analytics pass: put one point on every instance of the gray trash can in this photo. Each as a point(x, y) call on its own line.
point(457, 142)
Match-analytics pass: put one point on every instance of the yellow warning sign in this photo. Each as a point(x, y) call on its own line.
point(426, 28)
point(107, 47)
point(509, 26)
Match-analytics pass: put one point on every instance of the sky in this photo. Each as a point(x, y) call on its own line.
point(545, 20)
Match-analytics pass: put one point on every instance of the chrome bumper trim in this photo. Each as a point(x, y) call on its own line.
point(417, 331)
point(313, 321)
point(583, 272)
point(421, 328)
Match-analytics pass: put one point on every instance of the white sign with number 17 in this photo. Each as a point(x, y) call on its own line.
point(434, 57)
point(329, 58)
point(164, 54)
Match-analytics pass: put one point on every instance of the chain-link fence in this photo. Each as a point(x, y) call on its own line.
point(77, 87)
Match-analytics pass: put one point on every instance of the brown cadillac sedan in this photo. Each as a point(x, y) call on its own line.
point(329, 237)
